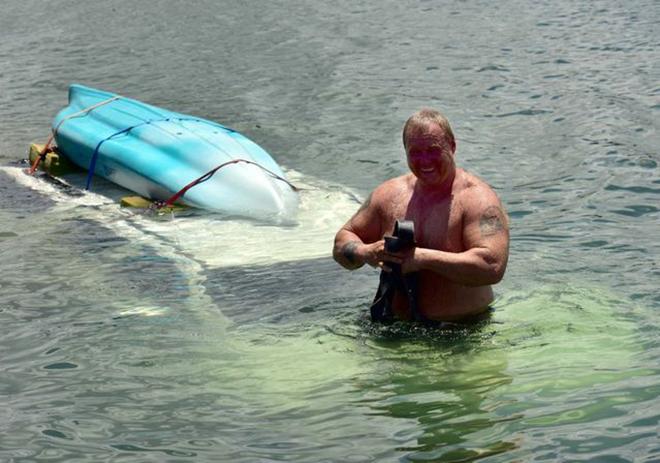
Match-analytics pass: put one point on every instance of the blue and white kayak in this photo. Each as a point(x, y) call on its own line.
point(156, 153)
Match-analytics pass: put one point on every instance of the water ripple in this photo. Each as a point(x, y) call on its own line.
point(124, 340)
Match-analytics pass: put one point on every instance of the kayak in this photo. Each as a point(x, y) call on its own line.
point(157, 153)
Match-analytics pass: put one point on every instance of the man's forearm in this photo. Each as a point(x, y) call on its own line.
point(345, 251)
point(475, 267)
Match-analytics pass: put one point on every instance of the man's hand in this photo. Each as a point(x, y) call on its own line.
point(376, 256)
point(356, 254)
point(360, 253)
point(408, 260)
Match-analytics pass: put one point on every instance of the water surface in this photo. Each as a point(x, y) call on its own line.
point(197, 338)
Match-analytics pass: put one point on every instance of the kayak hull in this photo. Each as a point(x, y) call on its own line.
point(156, 153)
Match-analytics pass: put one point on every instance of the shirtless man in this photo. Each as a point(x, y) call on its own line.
point(461, 229)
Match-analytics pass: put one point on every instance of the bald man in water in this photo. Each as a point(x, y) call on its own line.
point(461, 229)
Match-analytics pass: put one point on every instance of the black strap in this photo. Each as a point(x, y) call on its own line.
point(402, 239)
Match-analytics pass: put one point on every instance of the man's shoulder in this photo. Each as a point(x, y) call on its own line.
point(474, 192)
point(472, 185)
point(391, 187)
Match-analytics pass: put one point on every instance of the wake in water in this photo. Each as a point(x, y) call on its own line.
point(207, 237)
point(221, 270)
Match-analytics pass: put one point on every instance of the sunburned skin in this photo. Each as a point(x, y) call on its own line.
point(461, 231)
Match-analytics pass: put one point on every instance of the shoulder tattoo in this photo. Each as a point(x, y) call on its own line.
point(348, 251)
point(492, 221)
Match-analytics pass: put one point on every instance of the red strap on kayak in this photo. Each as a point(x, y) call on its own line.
point(209, 174)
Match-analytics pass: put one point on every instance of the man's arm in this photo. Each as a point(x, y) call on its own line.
point(350, 250)
point(486, 240)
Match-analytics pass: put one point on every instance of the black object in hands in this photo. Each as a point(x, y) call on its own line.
point(402, 239)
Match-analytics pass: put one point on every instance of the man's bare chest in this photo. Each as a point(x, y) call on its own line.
point(438, 225)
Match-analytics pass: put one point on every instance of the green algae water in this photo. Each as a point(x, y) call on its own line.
point(193, 337)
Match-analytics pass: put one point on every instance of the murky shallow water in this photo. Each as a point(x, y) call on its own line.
point(135, 338)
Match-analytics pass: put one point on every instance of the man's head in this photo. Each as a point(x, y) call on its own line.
point(421, 121)
point(430, 146)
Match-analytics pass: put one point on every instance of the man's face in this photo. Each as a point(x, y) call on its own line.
point(430, 155)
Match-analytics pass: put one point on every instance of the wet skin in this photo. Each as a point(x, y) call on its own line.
point(461, 231)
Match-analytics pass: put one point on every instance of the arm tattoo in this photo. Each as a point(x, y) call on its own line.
point(348, 251)
point(491, 221)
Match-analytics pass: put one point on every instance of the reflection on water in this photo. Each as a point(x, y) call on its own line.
point(442, 388)
point(486, 391)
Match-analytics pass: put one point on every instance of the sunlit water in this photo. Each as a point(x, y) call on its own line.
point(192, 337)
